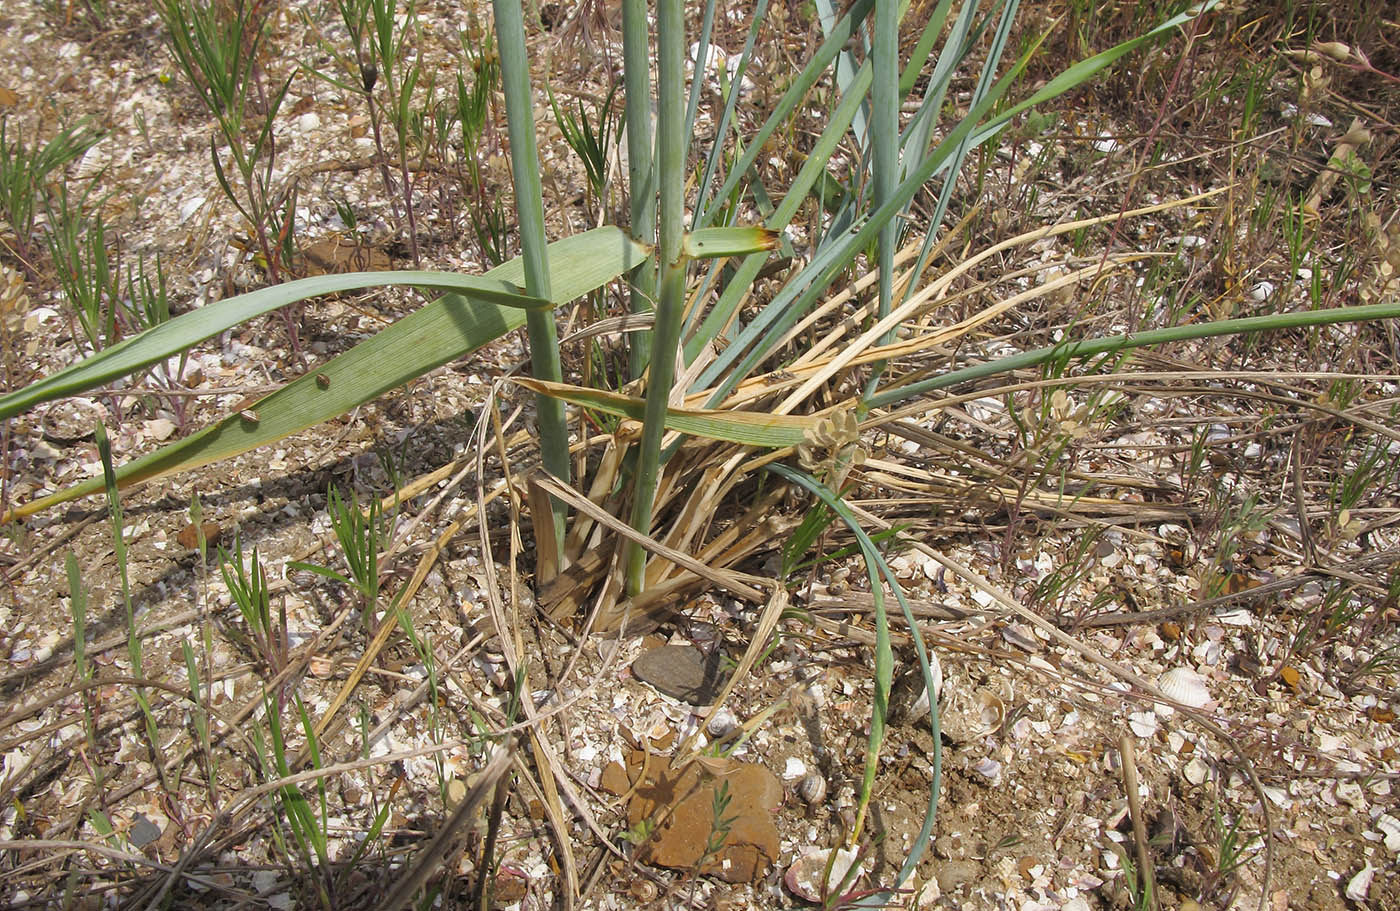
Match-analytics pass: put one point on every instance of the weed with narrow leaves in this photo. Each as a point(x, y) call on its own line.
point(308, 825)
point(218, 47)
point(359, 532)
point(1231, 849)
point(486, 216)
point(78, 604)
point(26, 172)
point(133, 637)
point(264, 635)
point(593, 142)
point(379, 55)
point(87, 266)
point(721, 825)
point(1138, 887)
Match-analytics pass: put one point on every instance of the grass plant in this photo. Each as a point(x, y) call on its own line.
point(78, 604)
point(592, 142)
point(303, 821)
point(219, 47)
point(390, 35)
point(360, 533)
point(134, 651)
point(744, 358)
point(485, 212)
point(264, 632)
point(27, 172)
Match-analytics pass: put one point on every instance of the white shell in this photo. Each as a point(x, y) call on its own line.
point(1360, 884)
point(920, 706)
point(1143, 724)
point(989, 769)
point(804, 877)
point(968, 716)
point(1389, 827)
point(1185, 686)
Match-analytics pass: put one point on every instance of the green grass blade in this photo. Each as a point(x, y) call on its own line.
point(751, 347)
point(712, 242)
point(672, 141)
point(750, 428)
point(699, 67)
point(529, 204)
point(443, 330)
point(846, 67)
point(880, 569)
point(172, 338)
point(984, 83)
point(957, 45)
point(846, 28)
point(717, 147)
point(932, 29)
point(812, 170)
point(1114, 343)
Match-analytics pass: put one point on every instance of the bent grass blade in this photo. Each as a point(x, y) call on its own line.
point(178, 335)
point(441, 331)
point(746, 427)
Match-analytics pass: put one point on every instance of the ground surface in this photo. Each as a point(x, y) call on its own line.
point(1184, 563)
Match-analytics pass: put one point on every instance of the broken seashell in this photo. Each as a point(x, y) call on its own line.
point(1020, 637)
point(908, 702)
point(966, 717)
point(1389, 827)
point(1360, 884)
point(1143, 724)
point(1185, 686)
point(804, 877)
point(989, 769)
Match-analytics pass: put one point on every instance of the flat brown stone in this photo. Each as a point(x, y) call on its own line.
point(680, 803)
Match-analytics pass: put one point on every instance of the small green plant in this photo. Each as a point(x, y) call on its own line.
point(87, 265)
point(308, 824)
point(486, 215)
point(593, 142)
point(401, 70)
point(1139, 888)
point(721, 825)
point(218, 46)
point(133, 636)
point(1052, 590)
point(1231, 849)
point(381, 57)
point(26, 173)
point(1367, 465)
point(264, 634)
point(359, 532)
point(78, 603)
point(1339, 609)
point(1237, 523)
point(640, 832)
